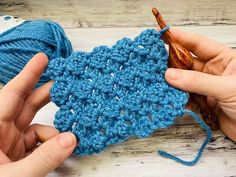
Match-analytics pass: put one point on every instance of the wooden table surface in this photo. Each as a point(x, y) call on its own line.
point(89, 23)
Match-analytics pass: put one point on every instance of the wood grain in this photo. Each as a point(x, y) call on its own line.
point(87, 38)
point(138, 157)
point(123, 13)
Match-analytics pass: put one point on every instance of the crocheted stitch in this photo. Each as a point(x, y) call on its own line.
point(111, 94)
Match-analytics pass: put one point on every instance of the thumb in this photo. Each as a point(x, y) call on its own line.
point(200, 83)
point(49, 155)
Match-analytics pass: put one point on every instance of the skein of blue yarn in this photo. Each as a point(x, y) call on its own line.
point(19, 44)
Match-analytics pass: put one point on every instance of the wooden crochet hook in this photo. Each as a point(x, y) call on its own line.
point(181, 58)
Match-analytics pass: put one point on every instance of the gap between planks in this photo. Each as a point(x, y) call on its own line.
point(123, 13)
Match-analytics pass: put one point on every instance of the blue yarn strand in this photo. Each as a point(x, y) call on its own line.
point(200, 151)
point(162, 31)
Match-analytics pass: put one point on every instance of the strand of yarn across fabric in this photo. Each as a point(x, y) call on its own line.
point(19, 44)
point(110, 94)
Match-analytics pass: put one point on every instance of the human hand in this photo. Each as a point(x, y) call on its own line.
point(214, 76)
point(19, 151)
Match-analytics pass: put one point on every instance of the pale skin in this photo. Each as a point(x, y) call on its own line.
point(215, 77)
point(18, 105)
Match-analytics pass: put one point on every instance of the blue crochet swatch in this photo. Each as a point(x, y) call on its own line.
point(111, 94)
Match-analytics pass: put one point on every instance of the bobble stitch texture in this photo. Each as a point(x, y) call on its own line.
point(111, 94)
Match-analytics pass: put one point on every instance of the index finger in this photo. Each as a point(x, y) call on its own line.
point(204, 48)
point(25, 81)
point(14, 92)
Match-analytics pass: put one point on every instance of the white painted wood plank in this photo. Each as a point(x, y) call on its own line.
point(113, 13)
point(138, 158)
point(87, 38)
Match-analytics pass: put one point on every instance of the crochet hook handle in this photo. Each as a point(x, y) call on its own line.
point(181, 58)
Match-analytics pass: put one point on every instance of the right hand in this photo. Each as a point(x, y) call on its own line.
point(214, 76)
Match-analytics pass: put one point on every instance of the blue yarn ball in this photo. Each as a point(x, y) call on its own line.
point(19, 44)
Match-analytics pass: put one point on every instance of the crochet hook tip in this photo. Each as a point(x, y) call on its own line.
point(162, 25)
point(155, 11)
point(159, 18)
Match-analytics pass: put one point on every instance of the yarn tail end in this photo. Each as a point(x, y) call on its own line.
point(170, 156)
point(200, 151)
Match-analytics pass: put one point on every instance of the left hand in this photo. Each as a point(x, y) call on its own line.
point(18, 105)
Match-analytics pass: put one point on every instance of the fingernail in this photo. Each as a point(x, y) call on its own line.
point(173, 74)
point(66, 140)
